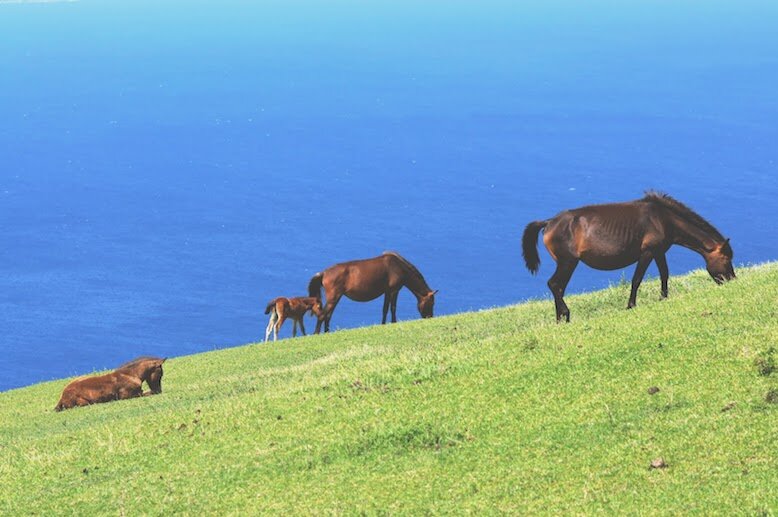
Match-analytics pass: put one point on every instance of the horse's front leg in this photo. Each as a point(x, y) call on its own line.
point(393, 306)
point(664, 273)
point(386, 308)
point(294, 327)
point(130, 393)
point(640, 271)
point(302, 326)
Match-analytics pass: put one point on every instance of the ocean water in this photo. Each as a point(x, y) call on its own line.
point(166, 168)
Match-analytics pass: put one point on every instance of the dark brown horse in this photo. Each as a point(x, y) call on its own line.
point(616, 235)
point(295, 308)
point(125, 382)
point(366, 280)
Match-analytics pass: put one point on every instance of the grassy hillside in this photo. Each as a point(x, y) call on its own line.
point(500, 410)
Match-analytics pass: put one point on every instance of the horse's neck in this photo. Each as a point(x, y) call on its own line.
point(304, 304)
point(691, 236)
point(415, 283)
point(139, 372)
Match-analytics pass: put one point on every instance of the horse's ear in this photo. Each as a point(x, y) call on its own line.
point(163, 360)
point(726, 241)
point(435, 292)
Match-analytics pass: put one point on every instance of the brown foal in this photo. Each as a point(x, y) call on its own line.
point(295, 308)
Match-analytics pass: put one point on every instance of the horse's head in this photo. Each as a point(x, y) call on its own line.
point(426, 304)
point(154, 376)
point(718, 261)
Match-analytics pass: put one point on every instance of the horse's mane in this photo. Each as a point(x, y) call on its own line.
point(408, 265)
point(682, 211)
point(138, 360)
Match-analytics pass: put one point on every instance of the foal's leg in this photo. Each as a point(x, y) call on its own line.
point(277, 328)
point(558, 283)
point(664, 273)
point(393, 304)
point(645, 259)
point(270, 324)
point(294, 327)
point(302, 326)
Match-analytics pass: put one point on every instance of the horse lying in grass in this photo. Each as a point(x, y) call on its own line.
point(295, 308)
point(367, 279)
point(613, 236)
point(125, 382)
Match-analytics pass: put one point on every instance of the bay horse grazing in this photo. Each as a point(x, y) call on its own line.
point(366, 280)
point(125, 382)
point(282, 308)
point(613, 236)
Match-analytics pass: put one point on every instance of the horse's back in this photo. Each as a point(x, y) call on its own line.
point(275, 304)
point(605, 236)
point(297, 306)
point(95, 389)
point(360, 280)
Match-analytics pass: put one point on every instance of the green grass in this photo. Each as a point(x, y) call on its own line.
point(494, 411)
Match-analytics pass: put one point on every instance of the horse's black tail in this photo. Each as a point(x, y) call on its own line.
point(529, 245)
point(314, 286)
point(270, 306)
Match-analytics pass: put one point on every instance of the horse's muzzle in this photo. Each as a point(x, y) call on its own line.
point(725, 277)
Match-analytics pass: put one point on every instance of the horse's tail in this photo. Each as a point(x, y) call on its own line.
point(529, 245)
point(270, 306)
point(314, 286)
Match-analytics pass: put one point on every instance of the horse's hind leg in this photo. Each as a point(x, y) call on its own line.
point(558, 283)
point(329, 309)
point(664, 273)
point(302, 326)
point(640, 271)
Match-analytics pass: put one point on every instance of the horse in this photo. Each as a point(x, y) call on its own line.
point(367, 279)
point(613, 236)
point(125, 382)
point(282, 308)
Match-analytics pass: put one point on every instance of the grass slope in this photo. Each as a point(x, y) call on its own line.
point(495, 411)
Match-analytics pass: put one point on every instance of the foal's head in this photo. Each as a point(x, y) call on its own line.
point(426, 304)
point(317, 309)
point(718, 261)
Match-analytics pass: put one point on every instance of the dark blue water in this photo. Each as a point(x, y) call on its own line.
point(168, 167)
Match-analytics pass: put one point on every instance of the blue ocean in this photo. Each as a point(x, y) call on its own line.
point(166, 168)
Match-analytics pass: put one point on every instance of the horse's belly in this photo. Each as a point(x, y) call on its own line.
point(606, 262)
point(363, 296)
